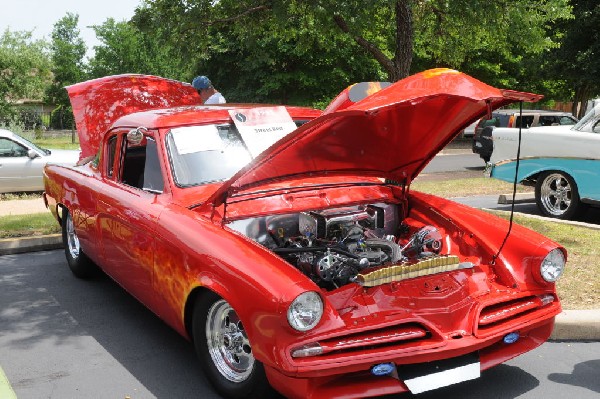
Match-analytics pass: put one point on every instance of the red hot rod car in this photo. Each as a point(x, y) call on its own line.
point(284, 242)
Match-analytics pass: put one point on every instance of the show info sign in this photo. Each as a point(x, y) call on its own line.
point(262, 127)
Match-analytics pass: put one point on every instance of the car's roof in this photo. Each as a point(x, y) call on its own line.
point(205, 114)
point(6, 133)
point(530, 111)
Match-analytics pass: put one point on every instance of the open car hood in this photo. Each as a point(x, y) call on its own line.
point(98, 103)
point(392, 133)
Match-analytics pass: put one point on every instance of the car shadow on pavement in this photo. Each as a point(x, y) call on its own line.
point(43, 302)
point(585, 374)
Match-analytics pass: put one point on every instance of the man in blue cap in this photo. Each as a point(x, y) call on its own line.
point(208, 93)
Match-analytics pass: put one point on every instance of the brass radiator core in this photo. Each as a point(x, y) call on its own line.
point(404, 271)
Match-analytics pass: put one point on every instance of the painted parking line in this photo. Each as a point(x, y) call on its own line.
point(6, 391)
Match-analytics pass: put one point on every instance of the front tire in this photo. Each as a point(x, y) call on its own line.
point(81, 266)
point(556, 195)
point(225, 352)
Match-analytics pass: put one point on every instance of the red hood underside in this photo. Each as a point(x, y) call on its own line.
point(391, 134)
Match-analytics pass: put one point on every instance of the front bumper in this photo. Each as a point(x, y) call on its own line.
point(354, 379)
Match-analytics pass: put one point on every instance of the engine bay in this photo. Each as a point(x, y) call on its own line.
point(334, 247)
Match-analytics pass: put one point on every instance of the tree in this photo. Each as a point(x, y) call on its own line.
point(487, 39)
point(125, 49)
point(476, 36)
point(24, 69)
point(67, 52)
point(276, 54)
point(576, 60)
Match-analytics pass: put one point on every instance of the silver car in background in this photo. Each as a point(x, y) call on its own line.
point(22, 162)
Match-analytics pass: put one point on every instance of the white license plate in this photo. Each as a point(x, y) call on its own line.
point(450, 372)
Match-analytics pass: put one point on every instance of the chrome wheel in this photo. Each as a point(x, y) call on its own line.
point(227, 342)
point(72, 239)
point(556, 194)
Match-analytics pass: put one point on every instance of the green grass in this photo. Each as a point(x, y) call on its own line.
point(579, 287)
point(28, 225)
point(466, 187)
point(60, 142)
point(20, 196)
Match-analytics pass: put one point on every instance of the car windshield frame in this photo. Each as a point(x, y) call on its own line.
point(587, 118)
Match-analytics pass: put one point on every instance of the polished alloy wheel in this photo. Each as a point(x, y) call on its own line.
point(72, 239)
point(228, 344)
point(556, 194)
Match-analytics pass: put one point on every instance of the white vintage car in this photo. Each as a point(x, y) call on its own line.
point(562, 162)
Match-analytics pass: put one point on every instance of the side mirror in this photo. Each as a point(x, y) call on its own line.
point(135, 136)
point(32, 154)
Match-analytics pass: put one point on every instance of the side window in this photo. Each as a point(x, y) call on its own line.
point(567, 120)
point(110, 156)
point(547, 120)
point(141, 167)
point(10, 149)
point(153, 180)
point(527, 121)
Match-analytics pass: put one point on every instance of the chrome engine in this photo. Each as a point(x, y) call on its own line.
point(333, 246)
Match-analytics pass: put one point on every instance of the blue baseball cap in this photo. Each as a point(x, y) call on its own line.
point(201, 82)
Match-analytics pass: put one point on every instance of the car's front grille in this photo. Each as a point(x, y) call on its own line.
point(496, 316)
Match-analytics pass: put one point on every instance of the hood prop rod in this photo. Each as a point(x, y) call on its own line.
point(512, 207)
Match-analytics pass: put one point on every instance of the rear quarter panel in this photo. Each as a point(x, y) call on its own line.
point(75, 189)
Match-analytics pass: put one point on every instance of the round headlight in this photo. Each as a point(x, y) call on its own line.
point(553, 265)
point(305, 311)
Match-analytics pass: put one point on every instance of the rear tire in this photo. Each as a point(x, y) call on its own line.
point(81, 266)
point(556, 195)
point(225, 352)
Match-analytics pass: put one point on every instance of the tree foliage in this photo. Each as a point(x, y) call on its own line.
point(125, 49)
point(24, 69)
point(575, 61)
point(257, 51)
point(275, 47)
point(67, 53)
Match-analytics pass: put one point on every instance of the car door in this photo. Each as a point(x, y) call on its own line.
point(18, 172)
point(128, 211)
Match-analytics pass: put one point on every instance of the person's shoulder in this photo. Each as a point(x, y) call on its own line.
point(218, 98)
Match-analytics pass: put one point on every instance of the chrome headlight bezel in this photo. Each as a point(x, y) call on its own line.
point(305, 312)
point(553, 265)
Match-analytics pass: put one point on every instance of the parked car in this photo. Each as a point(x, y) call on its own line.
point(299, 258)
point(562, 163)
point(22, 162)
point(482, 143)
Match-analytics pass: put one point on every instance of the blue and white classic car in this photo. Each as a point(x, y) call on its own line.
point(562, 162)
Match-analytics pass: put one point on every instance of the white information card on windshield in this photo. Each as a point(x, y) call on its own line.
point(191, 139)
point(262, 127)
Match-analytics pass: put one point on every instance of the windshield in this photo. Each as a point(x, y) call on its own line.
point(205, 154)
point(28, 143)
point(590, 116)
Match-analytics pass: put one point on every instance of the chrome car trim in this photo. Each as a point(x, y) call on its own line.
point(72, 239)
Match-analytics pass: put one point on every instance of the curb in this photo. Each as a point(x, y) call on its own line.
point(9, 246)
point(581, 325)
point(569, 325)
point(520, 198)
